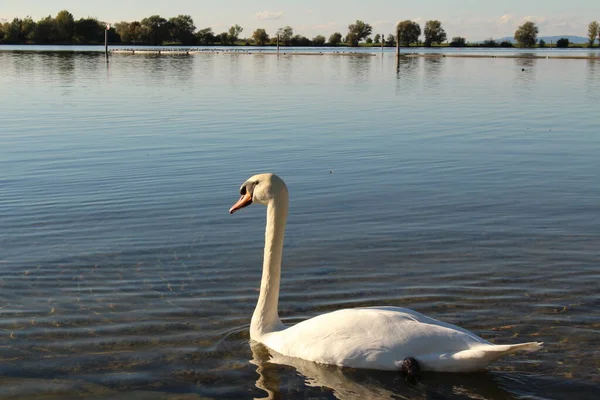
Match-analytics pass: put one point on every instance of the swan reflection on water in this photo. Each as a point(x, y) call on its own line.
point(353, 384)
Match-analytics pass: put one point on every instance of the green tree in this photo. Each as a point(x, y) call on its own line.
point(377, 39)
point(46, 31)
point(299, 40)
point(593, 31)
point(434, 33)
point(12, 31)
point(319, 40)
point(28, 29)
point(391, 40)
point(223, 38)
point(285, 35)
point(458, 41)
point(155, 30)
point(526, 34)
point(205, 36)
point(234, 33)
point(409, 32)
point(65, 27)
point(130, 32)
point(181, 30)
point(89, 30)
point(562, 43)
point(123, 31)
point(542, 43)
point(260, 36)
point(358, 31)
point(335, 39)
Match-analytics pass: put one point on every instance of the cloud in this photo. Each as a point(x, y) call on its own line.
point(510, 20)
point(269, 15)
point(536, 19)
point(505, 19)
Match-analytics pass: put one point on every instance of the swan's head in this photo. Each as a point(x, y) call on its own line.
point(262, 189)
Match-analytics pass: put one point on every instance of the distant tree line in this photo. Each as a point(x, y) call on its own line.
point(156, 30)
point(62, 29)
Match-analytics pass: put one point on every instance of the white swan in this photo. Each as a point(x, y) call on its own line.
point(372, 338)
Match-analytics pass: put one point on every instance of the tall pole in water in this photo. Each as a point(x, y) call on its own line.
point(397, 48)
point(106, 41)
point(277, 43)
point(382, 42)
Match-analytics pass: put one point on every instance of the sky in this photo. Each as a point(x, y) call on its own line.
point(473, 19)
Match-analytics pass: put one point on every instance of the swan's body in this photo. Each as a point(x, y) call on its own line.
point(373, 338)
point(382, 337)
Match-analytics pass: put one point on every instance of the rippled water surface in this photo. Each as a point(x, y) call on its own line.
point(466, 189)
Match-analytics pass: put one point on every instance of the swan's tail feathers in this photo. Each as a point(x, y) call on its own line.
point(475, 359)
point(482, 356)
point(511, 348)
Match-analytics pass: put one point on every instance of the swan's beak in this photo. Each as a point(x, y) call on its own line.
point(244, 201)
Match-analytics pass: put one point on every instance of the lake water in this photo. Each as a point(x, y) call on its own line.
point(466, 189)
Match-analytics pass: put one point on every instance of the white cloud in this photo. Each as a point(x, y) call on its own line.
point(505, 19)
point(269, 15)
point(536, 19)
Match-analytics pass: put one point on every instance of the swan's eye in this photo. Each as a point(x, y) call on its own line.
point(248, 187)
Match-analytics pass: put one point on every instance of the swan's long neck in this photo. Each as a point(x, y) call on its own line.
point(266, 318)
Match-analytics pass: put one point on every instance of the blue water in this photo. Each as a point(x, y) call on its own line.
point(463, 188)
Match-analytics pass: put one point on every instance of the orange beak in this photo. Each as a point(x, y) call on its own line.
point(244, 201)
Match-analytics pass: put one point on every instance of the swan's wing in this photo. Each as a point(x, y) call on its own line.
point(378, 338)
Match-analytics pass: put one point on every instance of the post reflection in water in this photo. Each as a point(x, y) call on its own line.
point(593, 79)
point(525, 72)
point(351, 384)
point(433, 67)
point(407, 73)
point(359, 69)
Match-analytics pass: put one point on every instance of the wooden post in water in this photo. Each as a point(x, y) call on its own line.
point(106, 41)
point(397, 49)
point(382, 42)
point(277, 43)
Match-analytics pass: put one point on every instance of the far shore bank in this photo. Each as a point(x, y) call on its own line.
point(362, 51)
point(341, 46)
point(340, 52)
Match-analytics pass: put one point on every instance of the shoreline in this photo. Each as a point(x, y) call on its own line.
point(239, 52)
point(524, 56)
point(167, 51)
